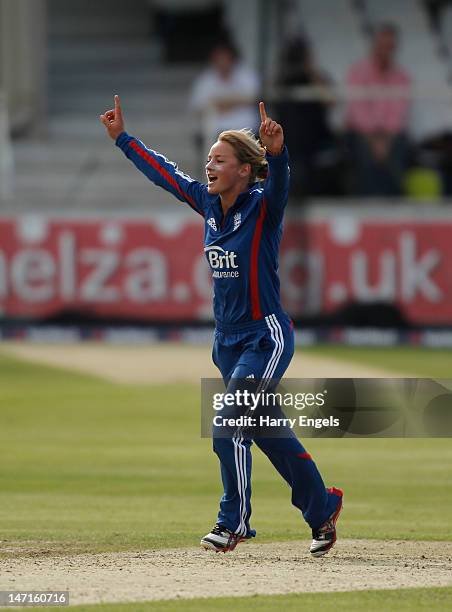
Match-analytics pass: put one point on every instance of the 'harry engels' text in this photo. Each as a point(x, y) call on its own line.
point(267, 421)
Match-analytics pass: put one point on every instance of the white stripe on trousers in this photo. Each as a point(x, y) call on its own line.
point(278, 339)
point(240, 449)
point(238, 465)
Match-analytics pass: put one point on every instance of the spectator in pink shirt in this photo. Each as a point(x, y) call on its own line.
point(376, 125)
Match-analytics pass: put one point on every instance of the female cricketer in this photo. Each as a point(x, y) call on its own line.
point(243, 206)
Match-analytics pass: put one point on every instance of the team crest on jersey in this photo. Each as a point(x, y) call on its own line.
point(212, 223)
point(237, 220)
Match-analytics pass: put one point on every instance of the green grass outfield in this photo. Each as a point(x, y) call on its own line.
point(88, 465)
point(399, 599)
point(421, 362)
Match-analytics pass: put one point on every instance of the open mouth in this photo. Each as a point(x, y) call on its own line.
point(211, 179)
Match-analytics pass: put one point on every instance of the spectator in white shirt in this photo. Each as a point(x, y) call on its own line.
point(224, 94)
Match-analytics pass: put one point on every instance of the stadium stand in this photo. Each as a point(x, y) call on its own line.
point(327, 35)
point(90, 60)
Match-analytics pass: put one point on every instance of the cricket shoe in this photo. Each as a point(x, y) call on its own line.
point(325, 536)
point(221, 539)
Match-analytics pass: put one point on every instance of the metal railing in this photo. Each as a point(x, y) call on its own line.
point(341, 94)
point(348, 93)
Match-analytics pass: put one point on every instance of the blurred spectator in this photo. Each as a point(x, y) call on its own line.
point(224, 95)
point(185, 27)
point(311, 143)
point(377, 125)
point(434, 9)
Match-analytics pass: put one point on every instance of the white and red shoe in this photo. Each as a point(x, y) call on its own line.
point(221, 539)
point(325, 536)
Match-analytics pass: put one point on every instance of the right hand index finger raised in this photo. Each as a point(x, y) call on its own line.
point(262, 111)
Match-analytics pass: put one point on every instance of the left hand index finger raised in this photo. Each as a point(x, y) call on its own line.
point(262, 111)
point(117, 105)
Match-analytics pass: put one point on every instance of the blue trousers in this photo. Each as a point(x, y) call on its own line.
point(263, 350)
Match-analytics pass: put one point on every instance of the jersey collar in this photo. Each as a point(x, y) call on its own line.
point(241, 197)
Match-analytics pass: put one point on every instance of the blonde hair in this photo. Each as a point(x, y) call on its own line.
point(248, 150)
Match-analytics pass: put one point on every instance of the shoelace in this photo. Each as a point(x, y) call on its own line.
point(218, 529)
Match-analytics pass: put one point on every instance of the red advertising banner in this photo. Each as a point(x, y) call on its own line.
point(144, 268)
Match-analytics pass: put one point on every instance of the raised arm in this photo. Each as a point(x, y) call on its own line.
point(155, 166)
point(276, 186)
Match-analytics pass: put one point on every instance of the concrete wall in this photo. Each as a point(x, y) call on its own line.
point(23, 62)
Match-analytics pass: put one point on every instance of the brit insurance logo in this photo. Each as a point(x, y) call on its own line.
point(223, 263)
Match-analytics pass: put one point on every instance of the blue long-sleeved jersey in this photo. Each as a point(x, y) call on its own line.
point(242, 246)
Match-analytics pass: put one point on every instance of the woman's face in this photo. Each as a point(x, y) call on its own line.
point(223, 169)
